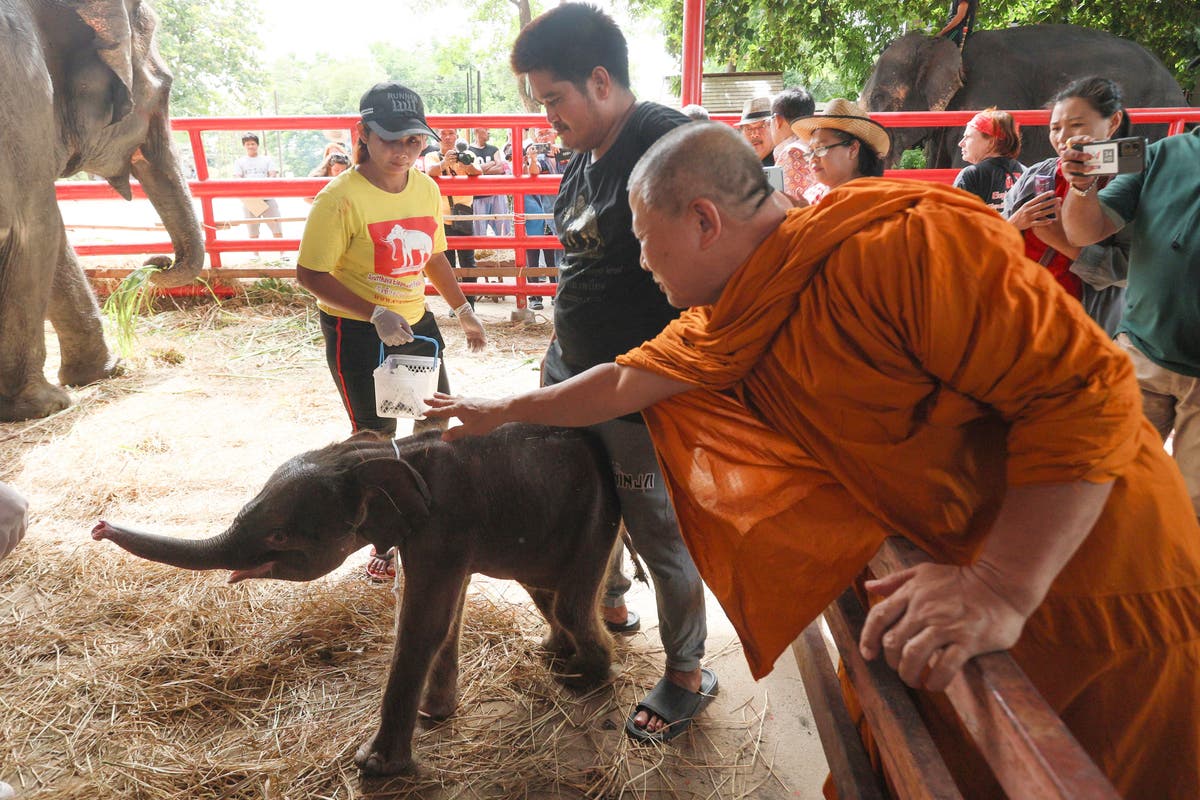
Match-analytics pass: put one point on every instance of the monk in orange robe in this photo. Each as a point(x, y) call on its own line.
point(889, 363)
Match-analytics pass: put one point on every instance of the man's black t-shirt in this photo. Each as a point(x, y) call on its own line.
point(990, 179)
point(486, 153)
point(606, 303)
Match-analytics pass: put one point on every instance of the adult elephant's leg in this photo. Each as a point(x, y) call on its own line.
point(75, 315)
point(29, 242)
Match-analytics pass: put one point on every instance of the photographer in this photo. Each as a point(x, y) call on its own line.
point(1094, 275)
point(490, 162)
point(1159, 207)
point(538, 160)
point(449, 162)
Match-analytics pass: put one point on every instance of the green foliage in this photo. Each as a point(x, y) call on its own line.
point(831, 45)
point(132, 298)
point(913, 159)
point(211, 48)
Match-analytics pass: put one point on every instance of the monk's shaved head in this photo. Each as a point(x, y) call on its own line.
point(701, 159)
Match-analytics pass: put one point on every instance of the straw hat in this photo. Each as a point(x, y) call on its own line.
point(848, 117)
point(754, 110)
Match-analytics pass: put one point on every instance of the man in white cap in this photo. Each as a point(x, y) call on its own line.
point(756, 116)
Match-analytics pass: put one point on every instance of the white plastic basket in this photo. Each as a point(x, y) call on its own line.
point(403, 382)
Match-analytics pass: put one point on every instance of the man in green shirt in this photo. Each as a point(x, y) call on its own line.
point(1161, 327)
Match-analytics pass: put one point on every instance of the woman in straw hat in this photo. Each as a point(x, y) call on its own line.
point(843, 143)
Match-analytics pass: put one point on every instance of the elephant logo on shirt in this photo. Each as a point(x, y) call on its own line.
point(412, 243)
point(581, 231)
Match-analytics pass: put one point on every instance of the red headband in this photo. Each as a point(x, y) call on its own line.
point(984, 123)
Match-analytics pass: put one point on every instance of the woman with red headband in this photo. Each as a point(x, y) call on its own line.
point(990, 145)
point(1096, 274)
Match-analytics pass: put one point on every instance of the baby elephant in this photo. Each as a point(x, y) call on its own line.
point(530, 503)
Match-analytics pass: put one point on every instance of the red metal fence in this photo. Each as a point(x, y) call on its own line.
point(205, 188)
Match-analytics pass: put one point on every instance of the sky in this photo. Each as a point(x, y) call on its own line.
point(289, 28)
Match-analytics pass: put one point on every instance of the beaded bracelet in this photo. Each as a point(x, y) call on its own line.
point(1087, 191)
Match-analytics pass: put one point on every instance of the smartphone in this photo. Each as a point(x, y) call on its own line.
point(1043, 184)
point(1116, 156)
point(774, 177)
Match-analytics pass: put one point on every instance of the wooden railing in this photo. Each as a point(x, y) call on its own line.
point(1028, 748)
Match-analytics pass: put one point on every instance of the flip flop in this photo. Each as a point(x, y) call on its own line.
point(385, 573)
point(632, 624)
point(670, 701)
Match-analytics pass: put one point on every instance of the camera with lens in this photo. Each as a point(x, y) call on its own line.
point(465, 156)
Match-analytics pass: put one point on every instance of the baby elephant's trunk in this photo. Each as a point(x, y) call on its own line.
point(185, 553)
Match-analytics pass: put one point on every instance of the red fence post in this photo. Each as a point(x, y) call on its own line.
point(691, 88)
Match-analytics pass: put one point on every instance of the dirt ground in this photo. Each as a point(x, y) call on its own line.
point(214, 397)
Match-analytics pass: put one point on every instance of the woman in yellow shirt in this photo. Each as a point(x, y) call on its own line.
point(373, 234)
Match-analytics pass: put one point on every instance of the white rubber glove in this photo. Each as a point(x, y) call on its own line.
point(13, 519)
point(472, 327)
point(392, 328)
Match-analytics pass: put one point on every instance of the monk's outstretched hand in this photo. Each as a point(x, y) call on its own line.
point(477, 415)
point(934, 618)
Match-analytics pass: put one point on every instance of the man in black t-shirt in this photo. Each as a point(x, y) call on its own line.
point(577, 65)
point(490, 162)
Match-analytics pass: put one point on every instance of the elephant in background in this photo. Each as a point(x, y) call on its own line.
point(82, 87)
point(1010, 68)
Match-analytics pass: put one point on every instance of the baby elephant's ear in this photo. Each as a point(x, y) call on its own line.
point(393, 489)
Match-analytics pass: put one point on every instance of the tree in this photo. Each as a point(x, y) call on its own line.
point(493, 28)
point(211, 48)
point(836, 42)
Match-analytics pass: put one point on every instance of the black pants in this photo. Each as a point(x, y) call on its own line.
point(352, 352)
point(464, 258)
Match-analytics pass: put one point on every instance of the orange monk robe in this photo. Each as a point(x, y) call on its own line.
point(886, 363)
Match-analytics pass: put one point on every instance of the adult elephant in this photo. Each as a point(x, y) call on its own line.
point(1011, 68)
point(82, 87)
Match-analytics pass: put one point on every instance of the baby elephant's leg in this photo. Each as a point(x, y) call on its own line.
point(431, 598)
point(441, 688)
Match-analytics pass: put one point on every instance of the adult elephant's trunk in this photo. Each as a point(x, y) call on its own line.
point(156, 167)
point(198, 554)
point(905, 139)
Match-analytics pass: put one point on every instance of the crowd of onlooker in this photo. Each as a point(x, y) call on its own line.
point(1123, 245)
point(1126, 275)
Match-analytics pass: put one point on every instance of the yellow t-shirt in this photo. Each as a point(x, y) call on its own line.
point(375, 243)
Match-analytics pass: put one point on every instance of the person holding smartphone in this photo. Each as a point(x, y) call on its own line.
point(1095, 275)
point(1159, 207)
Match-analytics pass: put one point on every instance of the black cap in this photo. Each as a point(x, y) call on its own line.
point(394, 111)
